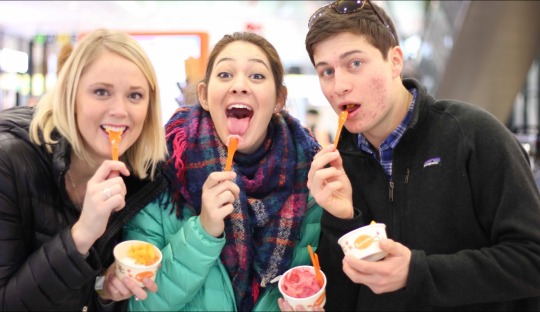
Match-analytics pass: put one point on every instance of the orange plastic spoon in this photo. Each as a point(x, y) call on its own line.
point(341, 122)
point(315, 261)
point(114, 138)
point(231, 149)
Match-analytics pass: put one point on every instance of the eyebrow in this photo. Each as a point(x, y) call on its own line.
point(341, 57)
point(110, 85)
point(230, 59)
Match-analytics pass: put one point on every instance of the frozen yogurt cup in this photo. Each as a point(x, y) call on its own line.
point(136, 259)
point(299, 287)
point(363, 243)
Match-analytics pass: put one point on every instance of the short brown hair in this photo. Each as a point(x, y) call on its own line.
point(363, 22)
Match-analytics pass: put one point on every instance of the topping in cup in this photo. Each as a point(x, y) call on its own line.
point(144, 254)
point(300, 283)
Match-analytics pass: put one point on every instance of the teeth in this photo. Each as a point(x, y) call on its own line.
point(348, 106)
point(115, 129)
point(238, 106)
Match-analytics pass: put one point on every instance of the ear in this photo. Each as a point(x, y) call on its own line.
point(281, 99)
point(203, 95)
point(395, 56)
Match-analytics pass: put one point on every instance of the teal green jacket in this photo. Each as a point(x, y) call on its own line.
point(192, 277)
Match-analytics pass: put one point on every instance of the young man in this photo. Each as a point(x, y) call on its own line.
point(451, 183)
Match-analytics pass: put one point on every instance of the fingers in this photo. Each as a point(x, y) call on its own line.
point(105, 193)
point(221, 181)
point(114, 288)
point(329, 185)
point(110, 167)
point(107, 184)
point(326, 180)
point(390, 246)
point(322, 159)
point(150, 285)
point(363, 272)
point(134, 289)
point(219, 192)
point(120, 289)
point(389, 274)
point(329, 155)
point(320, 173)
point(218, 196)
point(284, 305)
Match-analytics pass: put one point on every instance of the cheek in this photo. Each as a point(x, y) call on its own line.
point(143, 114)
point(374, 99)
point(377, 93)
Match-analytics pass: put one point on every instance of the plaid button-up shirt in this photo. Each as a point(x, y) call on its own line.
point(386, 150)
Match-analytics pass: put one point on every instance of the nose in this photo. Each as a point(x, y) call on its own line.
point(342, 84)
point(119, 107)
point(239, 86)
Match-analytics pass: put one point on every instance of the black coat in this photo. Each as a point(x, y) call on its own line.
point(40, 267)
point(462, 198)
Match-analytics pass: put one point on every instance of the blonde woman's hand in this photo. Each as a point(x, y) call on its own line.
point(329, 184)
point(218, 195)
point(117, 289)
point(105, 193)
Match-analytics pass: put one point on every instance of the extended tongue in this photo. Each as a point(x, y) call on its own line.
point(237, 125)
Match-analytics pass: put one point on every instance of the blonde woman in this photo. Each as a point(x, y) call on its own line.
point(63, 201)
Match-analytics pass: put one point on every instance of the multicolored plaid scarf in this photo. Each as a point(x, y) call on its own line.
point(262, 231)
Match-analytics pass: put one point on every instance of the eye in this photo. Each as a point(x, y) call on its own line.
point(355, 64)
point(136, 96)
point(258, 76)
point(327, 72)
point(101, 92)
point(224, 75)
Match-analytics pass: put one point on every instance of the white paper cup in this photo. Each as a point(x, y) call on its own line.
point(363, 243)
point(126, 266)
point(307, 303)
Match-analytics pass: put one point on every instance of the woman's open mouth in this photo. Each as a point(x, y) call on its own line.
point(238, 117)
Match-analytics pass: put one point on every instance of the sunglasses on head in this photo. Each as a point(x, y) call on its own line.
point(345, 7)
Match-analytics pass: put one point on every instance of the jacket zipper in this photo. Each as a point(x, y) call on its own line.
point(391, 191)
point(407, 175)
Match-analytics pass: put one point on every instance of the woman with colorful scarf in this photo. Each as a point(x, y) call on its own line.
point(225, 235)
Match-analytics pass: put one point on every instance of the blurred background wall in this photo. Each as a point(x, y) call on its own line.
point(483, 52)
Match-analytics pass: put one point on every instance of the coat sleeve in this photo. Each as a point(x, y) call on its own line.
point(341, 292)
point(506, 204)
point(42, 278)
point(189, 254)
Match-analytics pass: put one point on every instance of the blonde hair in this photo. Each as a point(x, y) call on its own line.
point(63, 56)
point(56, 110)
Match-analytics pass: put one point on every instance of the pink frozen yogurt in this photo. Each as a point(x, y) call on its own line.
point(300, 283)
